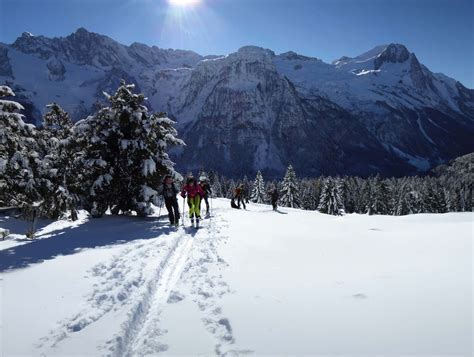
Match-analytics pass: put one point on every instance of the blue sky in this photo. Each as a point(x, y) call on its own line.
point(440, 32)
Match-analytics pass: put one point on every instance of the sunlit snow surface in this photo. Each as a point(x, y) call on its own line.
point(256, 281)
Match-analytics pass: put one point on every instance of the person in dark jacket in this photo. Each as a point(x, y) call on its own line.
point(239, 195)
point(206, 188)
point(274, 195)
point(169, 190)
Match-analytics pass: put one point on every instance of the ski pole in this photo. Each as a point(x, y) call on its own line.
point(161, 205)
point(211, 208)
point(183, 208)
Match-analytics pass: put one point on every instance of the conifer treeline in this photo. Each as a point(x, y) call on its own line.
point(449, 192)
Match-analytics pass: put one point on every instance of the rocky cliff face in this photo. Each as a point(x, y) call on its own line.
point(5, 66)
point(382, 111)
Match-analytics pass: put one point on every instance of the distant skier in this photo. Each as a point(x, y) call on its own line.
point(169, 190)
point(194, 193)
point(246, 194)
point(239, 195)
point(274, 195)
point(206, 188)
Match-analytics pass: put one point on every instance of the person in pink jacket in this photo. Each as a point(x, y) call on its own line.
point(194, 193)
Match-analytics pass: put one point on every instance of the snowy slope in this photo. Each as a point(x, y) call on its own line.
point(256, 281)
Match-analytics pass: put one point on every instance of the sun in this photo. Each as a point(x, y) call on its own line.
point(184, 3)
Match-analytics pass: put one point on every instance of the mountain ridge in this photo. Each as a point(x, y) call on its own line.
point(260, 109)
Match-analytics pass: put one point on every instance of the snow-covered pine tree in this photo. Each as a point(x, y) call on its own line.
point(258, 189)
point(364, 196)
point(290, 190)
point(330, 201)
point(225, 186)
point(202, 174)
point(414, 202)
point(96, 137)
point(449, 202)
point(19, 157)
point(378, 201)
point(247, 188)
point(455, 198)
point(124, 154)
point(407, 197)
point(350, 194)
point(215, 182)
point(56, 171)
point(442, 199)
point(340, 190)
point(309, 196)
point(434, 198)
point(399, 189)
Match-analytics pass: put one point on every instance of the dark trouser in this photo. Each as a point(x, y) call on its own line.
point(275, 205)
point(173, 209)
point(205, 199)
point(241, 200)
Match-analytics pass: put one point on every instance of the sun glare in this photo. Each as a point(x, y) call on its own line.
point(184, 3)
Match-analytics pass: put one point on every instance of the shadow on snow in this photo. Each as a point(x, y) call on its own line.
point(93, 233)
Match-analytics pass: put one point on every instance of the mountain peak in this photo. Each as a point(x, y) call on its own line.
point(398, 51)
point(393, 53)
point(255, 52)
point(291, 55)
point(83, 33)
point(81, 30)
point(27, 34)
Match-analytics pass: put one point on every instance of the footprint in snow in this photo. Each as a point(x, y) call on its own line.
point(360, 296)
point(175, 297)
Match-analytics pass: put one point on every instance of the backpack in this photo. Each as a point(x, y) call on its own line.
point(173, 187)
point(237, 192)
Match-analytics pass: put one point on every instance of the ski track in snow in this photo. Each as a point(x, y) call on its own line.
point(144, 319)
point(202, 277)
point(192, 267)
point(146, 276)
point(118, 281)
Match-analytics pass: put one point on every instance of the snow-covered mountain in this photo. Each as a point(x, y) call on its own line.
point(382, 111)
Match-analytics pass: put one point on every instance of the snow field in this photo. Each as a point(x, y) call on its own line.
point(248, 282)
